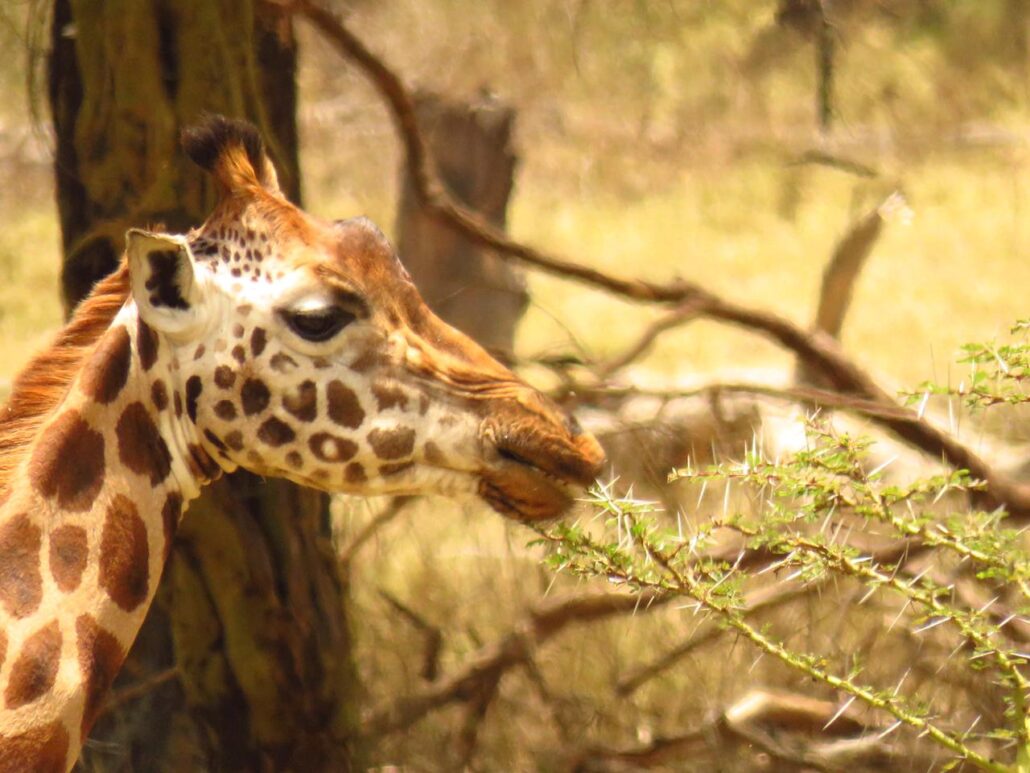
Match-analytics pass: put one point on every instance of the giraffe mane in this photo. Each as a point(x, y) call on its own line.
point(42, 384)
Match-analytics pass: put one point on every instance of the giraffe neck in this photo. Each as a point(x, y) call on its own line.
point(85, 528)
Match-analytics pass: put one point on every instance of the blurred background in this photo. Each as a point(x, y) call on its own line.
point(732, 143)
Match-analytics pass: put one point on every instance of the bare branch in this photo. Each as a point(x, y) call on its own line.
point(134, 691)
point(391, 511)
point(843, 269)
point(490, 662)
point(817, 350)
point(432, 636)
point(642, 345)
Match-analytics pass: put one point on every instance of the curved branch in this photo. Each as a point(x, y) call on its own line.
point(816, 349)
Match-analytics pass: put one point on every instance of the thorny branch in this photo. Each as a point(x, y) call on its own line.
point(819, 351)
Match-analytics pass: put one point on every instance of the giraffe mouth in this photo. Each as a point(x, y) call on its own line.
point(519, 488)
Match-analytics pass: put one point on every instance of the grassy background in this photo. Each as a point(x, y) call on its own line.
point(656, 139)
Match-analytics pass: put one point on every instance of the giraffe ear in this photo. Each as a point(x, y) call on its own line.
point(163, 279)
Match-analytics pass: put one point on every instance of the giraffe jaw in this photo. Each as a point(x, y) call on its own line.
point(518, 489)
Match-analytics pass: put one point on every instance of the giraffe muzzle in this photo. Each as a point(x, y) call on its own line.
point(535, 476)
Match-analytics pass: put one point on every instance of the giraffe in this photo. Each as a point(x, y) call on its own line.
point(265, 339)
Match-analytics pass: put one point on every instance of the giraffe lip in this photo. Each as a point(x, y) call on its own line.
point(517, 488)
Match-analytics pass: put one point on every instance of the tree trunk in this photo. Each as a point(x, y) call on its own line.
point(244, 661)
point(472, 290)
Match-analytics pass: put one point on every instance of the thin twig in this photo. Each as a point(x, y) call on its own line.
point(642, 345)
point(369, 530)
point(432, 636)
point(134, 691)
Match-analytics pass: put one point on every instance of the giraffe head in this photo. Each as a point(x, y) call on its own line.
point(304, 351)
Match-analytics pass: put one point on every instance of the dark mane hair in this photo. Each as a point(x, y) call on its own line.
point(43, 383)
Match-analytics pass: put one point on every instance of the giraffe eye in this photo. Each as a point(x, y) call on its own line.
point(318, 325)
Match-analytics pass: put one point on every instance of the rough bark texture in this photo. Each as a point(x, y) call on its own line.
point(465, 285)
point(250, 610)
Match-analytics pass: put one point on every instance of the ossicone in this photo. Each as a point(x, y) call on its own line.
point(232, 150)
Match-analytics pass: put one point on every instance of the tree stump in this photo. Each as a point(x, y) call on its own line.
point(466, 286)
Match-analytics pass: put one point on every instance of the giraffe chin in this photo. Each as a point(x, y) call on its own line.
point(525, 493)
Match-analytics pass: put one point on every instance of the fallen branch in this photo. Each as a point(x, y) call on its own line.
point(817, 350)
point(796, 729)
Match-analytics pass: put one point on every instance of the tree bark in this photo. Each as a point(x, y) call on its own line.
point(250, 612)
point(465, 285)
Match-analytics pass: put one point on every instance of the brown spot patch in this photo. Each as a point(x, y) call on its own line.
point(258, 340)
point(255, 396)
point(68, 552)
point(432, 454)
point(234, 440)
point(394, 468)
point(355, 473)
point(295, 460)
point(159, 395)
point(344, 407)
point(104, 377)
point(34, 671)
point(366, 361)
point(239, 354)
point(282, 363)
point(164, 287)
point(392, 443)
point(177, 399)
point(74, 485)
point(146, 344)
point(21, 582)
point(140, 446)
point(194, 387)
point(200, 352)
point(304, 402)
point(275, 432)
point(225, 376)
point(3, 647)
point(42, 749)
point(225, 410)
point(100, 657)
point(389, 396)
point(330, 448)
point(124, 555)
